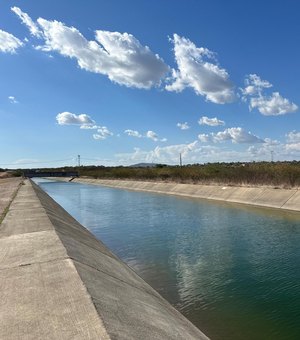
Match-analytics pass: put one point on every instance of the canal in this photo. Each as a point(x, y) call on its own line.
point(234, 271)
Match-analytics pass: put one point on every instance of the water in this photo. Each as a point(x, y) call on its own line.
point(232, 270)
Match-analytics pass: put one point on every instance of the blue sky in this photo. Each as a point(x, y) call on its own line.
point(123, 82)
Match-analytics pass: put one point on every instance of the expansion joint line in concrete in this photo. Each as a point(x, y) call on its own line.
point(289, 199)
point(114, 277)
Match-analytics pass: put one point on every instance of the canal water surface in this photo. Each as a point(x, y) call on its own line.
point(234, 271)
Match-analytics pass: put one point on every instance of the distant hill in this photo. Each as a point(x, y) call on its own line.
point(143, 165)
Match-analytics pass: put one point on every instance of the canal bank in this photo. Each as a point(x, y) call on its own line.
point(59, 282)
point(8, 188)
point(285, 199)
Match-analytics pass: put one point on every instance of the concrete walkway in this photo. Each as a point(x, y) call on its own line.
point(57, 281)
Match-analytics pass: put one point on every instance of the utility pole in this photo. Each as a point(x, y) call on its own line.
point(79, 160)
point(272, 156)
point(180, 160)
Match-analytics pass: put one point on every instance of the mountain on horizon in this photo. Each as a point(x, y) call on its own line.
point(143, 165)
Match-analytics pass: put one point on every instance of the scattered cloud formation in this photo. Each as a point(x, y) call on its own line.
point(149, 134)
point(153, 135)
point(275, 150)
point(198, 69)
point(89, 127)
point(254, 85)
point(196, 152)
point(293, 137)
point(166, 154)
point(210, 121)
point(273, 105)
point(13, 100)
point(133, 133)
point(236, 135)
point(268, 105)
point(9, 43)
point(85, 122)
point(125, 61)
point(102, 133)
point(68, 118)
point(26, 20)
point(120, 56)
point(191, 153)
point(183, 126)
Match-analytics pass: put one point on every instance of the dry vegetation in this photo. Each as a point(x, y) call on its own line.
point(276, 174)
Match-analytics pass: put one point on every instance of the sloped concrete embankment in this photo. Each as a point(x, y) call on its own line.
point(287, 199)
point(57, 281)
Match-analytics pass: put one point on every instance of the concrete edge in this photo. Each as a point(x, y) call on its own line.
point(141, 312)
point(284, 199)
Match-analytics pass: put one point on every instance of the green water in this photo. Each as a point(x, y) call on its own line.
point(233, 271)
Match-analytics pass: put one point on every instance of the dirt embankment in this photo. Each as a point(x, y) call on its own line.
point(8, 188)
point(5, 174)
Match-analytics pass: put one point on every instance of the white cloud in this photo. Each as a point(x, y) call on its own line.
point(183, 126)
point(196, 152)
point(68, 118)
point(210, 121)
point(133, 133)
point(293, 147)
point(205, 138)
point(293, 137)
point(254, 85)
point(89, 127)
point(191, 153)
point(102, 133)
point(85, 122)
point(12, 99)
point(9, 43)
point(293, 141)
point(120, 56)
point(273, 105)
point(236, 134)
point(273, 149)
point(26, 20)
point(166, 154)
point(149, 134)
point(153, 135)
point(199, 69)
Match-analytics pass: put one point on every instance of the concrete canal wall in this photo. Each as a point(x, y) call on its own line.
point(287, 199)
point(57, 281)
